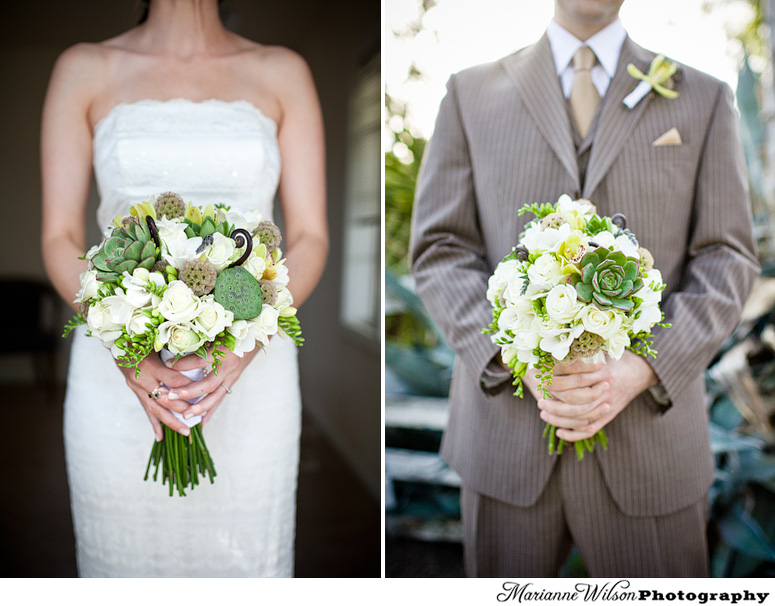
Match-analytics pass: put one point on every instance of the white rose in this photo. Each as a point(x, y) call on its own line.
point(605, 239)
point(255, 265)
point(284, 299)
point(241, 219)
point(266, 324)
point(101, 324)
point(178, 304)
point(137, 323)
point(545, 273)
point(180, 338)
point(90, 287)
point(282, 278)
point(505, 272)
point(566, 204)
point(222, 252)
point(537, 240)
point(212, 318)
point(605, 323)
point(562, 304)
point(628, 247)
point(616, 344)
point(243, 337)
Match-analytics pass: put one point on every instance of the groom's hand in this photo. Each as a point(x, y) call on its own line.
point(586, 397)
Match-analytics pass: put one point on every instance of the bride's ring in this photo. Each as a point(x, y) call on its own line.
point(155, 393)
point(228, 391)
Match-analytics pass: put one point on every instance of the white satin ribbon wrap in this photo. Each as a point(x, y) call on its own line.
point(197, 374)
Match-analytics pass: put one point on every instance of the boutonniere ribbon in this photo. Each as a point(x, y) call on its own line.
point(658, 78)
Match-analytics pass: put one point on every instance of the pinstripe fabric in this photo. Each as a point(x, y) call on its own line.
point(502, 139)
point(505, 541)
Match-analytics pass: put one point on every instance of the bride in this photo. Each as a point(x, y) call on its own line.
point(181, 104)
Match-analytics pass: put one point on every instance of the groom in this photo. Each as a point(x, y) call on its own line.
point(547, 120)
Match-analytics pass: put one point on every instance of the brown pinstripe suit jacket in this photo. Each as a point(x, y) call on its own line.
point(502, 139)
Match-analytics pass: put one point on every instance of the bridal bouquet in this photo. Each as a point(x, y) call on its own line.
point(577, 287)
point(174, 279)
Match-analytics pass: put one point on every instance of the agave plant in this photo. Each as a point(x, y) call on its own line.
point(129, 247)
point(607, 279)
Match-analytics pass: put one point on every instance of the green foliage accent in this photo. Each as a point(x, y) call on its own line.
point(539, 209)
point(77, 320)
point(290, 326)
point(136, 348)
point(597, 224)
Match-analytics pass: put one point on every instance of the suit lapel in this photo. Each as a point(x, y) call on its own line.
point(534, 74)
point(616, 122)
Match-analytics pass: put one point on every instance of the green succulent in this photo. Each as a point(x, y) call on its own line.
point(239, 292)
point(129, 247)
point(207, 227)
point(607, 279)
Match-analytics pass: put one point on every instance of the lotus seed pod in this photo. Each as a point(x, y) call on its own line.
point(239, 292)
point(268, 292)
point(269, 234)
point(199, 275)
point(170, 205)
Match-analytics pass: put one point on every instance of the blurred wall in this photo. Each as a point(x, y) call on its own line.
point(340, 369)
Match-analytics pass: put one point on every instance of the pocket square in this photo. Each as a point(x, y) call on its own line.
point(671, 137)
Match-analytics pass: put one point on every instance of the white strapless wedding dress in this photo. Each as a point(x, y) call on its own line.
point(243, 525)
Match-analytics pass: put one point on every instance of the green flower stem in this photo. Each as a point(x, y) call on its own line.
point(182, 460)
point(557, 445)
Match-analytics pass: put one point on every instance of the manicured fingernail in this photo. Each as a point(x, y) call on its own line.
point(188, 415)
point(168, 363)
point(173, 396)
point(185, 431)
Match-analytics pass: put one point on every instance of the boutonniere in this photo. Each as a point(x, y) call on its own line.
point(659, 78)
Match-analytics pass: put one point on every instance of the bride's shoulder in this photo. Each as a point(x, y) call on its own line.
point(280, 69)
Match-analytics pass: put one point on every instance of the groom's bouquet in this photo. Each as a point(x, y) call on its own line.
point(577, 287)
point(174, 279)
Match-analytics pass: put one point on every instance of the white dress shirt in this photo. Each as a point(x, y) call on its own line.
point(606, 44)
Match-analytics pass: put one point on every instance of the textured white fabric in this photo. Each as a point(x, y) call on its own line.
point(242, 525)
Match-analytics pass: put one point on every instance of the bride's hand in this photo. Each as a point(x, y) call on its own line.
point(213, 387)
point(153, 373)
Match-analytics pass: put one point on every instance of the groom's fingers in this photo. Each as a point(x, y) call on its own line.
point(582, 395)
point(582, 433)
point(578, 424)
point(576, 412)
point(576, 368)
point(563, 383)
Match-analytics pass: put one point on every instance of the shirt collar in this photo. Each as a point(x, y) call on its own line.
point(607, 45)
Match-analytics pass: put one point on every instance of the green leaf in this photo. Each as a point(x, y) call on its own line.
point(134, 251)
point(100, 261)
point(584, 292)
point(741, 532)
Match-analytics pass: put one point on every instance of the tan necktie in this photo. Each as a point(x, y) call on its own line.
point(584, 97)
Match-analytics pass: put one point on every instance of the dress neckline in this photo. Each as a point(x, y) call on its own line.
point(163, 102)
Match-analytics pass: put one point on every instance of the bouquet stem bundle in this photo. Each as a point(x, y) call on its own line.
point(182, 460)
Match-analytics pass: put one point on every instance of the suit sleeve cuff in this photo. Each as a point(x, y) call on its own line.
point(494, 375)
